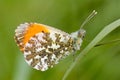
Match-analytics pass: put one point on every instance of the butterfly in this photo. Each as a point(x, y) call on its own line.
point(44, 46)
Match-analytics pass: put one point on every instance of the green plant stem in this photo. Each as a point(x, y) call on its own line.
point(99, 37)
point(22, 71)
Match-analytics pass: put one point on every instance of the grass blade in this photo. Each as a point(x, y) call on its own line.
point(99, 37)
point(22, 71)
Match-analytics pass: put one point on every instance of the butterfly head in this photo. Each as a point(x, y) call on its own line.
point(78, 38)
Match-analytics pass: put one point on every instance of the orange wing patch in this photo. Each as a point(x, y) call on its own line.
point(34, 29)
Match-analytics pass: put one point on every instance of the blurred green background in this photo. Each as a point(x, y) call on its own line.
point(102, 63)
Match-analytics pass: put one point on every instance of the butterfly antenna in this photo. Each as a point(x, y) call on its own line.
point(88, 18)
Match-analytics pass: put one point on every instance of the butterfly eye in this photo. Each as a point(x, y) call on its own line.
point(81, 33)
point(83, 36)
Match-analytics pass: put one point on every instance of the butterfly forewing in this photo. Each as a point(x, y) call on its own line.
point(45, 48)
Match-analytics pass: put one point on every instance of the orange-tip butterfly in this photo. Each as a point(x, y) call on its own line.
point(43, 46)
